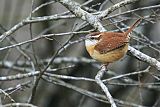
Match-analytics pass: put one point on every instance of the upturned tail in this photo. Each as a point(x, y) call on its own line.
point(133, 26)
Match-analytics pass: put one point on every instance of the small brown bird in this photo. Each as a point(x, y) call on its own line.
point(107, 47)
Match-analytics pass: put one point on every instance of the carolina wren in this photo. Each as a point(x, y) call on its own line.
point(107, 47)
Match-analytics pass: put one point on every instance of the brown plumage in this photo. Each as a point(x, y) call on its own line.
point(110, 41)
point(110, 46)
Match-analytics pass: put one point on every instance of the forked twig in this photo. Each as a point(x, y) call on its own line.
point(104, 88)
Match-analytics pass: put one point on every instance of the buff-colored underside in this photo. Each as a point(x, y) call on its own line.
point(108, 57)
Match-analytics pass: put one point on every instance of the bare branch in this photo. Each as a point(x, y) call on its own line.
point(27, 63)
point(104, 88)
point(114, 7)
point(90, 94)
point(19, 104)
point(96, 24)
point(144, 57)
point(76, 9)
point(6, 94)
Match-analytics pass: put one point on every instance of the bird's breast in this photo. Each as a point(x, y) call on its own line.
point(108, 57)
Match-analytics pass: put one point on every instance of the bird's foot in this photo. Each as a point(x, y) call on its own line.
point(106, 66)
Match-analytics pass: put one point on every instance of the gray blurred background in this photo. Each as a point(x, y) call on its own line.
point(131, 89)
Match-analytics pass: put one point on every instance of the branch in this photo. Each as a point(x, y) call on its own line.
point(94, 21)
point(29, 73)
point(101, 84)
point(144, 57)
point(76, 9)
point(41, 37)
point(19, 105)
point(58, 60)
point(90, 94)
point(21, 87)
point(72, 6)
point(29, 20)
point(19, 76)
point(6, 94)
point(114, 7)
point(61, 49)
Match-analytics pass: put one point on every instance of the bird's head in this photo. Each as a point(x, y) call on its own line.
point(92, 38)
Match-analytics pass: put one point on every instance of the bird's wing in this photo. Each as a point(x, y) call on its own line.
point(110, 42)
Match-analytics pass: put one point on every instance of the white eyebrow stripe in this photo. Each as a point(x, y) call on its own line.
point(90, 42)
point(97, 36)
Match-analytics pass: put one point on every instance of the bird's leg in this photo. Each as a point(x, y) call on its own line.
point(106, 66)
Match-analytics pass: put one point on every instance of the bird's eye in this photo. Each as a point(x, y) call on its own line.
point(92, 38)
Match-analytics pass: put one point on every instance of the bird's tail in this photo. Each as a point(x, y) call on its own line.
point(133, 26)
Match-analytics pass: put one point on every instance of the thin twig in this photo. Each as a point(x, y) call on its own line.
point(19, 105)
point(114, 7)
point(44, 70)
point(6, 94)
point(104, 88)
point(90, 94)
